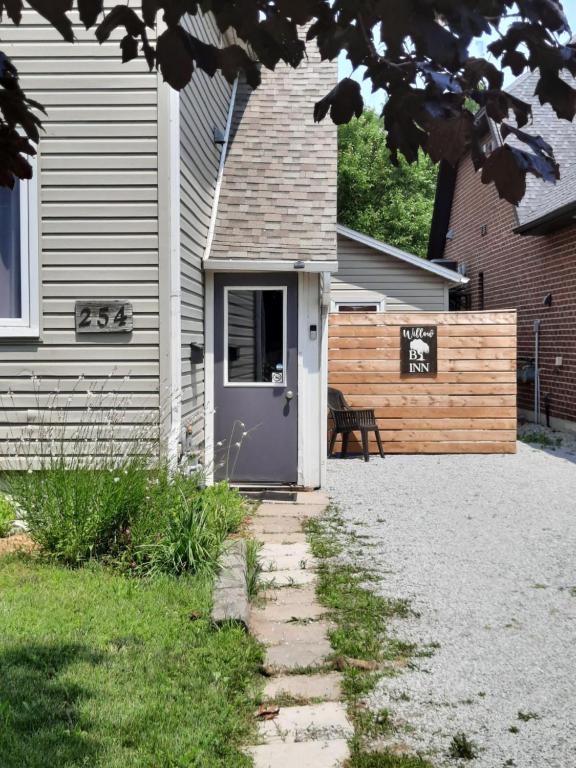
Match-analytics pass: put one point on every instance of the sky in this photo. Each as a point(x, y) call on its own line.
point(376, 101)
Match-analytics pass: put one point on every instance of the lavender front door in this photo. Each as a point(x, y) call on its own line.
point(256, 377)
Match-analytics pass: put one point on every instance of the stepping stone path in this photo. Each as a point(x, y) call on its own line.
point(313, 729)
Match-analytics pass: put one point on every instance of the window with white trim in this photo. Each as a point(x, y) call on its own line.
point(19, 259)
point(352, 305)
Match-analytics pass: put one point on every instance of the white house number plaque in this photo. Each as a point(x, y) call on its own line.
point(104, 317)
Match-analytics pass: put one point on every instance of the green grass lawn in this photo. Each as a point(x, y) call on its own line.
point(105, 671)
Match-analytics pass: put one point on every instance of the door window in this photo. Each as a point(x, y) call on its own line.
point(255, 336)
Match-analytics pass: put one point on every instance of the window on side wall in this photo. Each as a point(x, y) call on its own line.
point(341, 305)
point(19, 259)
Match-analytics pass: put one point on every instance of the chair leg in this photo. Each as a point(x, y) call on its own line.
point(365, 445)
point(332, 443)
point(379, 441)
point(345, 438)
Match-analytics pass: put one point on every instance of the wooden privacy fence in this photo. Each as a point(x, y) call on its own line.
point(468, 406)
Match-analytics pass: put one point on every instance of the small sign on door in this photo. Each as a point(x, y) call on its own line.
point(418, 350)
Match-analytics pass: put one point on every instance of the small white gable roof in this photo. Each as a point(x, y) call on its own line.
point(409, 258)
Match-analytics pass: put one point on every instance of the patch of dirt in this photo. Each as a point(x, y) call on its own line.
point(21, 542)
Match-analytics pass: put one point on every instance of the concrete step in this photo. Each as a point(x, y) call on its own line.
point(279, 633)
point(308, 754)
point(275, 524)
point(290, 658)
point(293, 578)
point(295, 537)
point(300, 511)
point(286, 556)
point(313, 722)
point(283, 612)
point(304, 595)
point(326, 686)
point(313, 497)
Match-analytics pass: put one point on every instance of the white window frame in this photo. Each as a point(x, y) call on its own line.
point(379, 303)
point(260, 384)
point(29, 324)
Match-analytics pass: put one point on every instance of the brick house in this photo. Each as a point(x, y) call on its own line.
point(520, 258)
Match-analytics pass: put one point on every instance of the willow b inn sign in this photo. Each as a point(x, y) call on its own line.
point(418, 350)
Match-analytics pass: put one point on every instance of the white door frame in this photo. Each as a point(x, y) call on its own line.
point(312, 378)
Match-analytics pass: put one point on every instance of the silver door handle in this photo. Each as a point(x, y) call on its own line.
point(289, 395)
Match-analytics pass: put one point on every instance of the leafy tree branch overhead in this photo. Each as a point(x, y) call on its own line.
point(416, 51)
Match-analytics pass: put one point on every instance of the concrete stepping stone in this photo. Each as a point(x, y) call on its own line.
point(304, 595)
point(293, 578)
point(290, 658)
point(300, 511)
point(314, 722)
point(276, 525)
point(325, 686)
point(308, 754)
point(282, 612)
point(287, 563)
point(295, 537)
point(312, 497)
point(278, 633)
point(272, 550)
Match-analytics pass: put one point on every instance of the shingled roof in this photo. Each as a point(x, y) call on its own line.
point(542, 198)
point(545, 206)
point(278, 195)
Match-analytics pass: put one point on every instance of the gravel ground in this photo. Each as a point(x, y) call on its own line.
point(485, 549)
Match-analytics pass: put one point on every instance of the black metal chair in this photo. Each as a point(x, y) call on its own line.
point(347, 420)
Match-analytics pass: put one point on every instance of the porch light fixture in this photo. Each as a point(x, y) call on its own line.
point(219, 137)
point(299, 264)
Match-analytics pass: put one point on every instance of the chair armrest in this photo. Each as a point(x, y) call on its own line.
point(353, 418)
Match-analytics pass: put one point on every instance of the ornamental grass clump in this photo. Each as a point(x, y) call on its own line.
point(185, 526)
point(90, 484)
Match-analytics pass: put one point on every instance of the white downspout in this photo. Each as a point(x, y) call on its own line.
point(218, 187)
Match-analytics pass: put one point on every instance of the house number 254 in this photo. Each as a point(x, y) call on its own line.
point(103, 317)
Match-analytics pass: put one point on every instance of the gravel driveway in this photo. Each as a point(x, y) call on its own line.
point(484, 547)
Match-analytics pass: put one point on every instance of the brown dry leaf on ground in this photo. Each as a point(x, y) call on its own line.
point(21, 542)
point(266, 712)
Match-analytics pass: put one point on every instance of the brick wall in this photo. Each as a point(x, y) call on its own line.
point(519, 271)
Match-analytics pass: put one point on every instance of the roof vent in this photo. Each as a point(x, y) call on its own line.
point(446, 263)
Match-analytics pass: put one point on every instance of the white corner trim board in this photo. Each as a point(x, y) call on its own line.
point(170, 351)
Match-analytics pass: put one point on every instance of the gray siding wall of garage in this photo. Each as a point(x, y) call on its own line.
point(366, 274)
point(204, 105)
point(97, 176)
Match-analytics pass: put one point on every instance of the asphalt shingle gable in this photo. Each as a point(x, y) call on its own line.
point(542, 197)
point(278, 194)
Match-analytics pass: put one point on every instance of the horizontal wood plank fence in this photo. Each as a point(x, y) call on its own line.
point(468, 406)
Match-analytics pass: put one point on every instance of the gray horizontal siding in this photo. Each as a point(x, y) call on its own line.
point(99, 223)
point(204, 105)
point(366, 274)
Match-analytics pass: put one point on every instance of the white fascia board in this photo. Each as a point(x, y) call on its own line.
point(266, 265)
point(447, 274)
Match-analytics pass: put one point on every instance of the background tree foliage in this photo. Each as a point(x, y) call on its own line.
point(416, 51)
point(389, 202)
